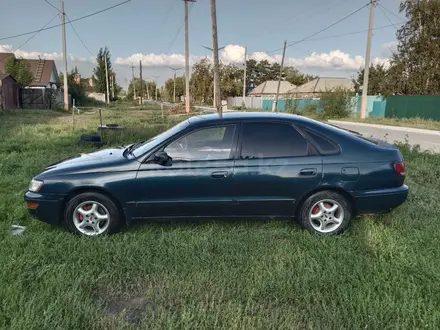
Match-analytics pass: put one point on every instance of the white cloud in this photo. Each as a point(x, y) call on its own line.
point(157, 60)
point(389, 48)
point(335, 60)
point(48, 56)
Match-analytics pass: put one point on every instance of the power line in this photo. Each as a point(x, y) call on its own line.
point(351, 33)
point(326, 28)
point(53, 6)
point(314, 34)
point(389, 11)
point(32, 37)
point(167, 15)
point(74, 20)
point(74, 30)
point(389, 20)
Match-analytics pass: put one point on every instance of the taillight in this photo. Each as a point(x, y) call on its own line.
point(400, 168)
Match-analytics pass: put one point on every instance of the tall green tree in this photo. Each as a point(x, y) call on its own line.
point(415, 68)
point(378, 80)
point(99, 71)
point(20, 70)
point(201, 83)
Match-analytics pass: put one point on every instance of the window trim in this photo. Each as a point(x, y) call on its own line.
point(199, 128)
point(307, 131)
point(311, 149)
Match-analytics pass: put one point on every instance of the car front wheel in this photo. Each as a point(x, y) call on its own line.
point(326, 213)
point(92, 214)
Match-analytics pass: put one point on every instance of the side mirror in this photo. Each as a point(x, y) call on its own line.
point(162, 158)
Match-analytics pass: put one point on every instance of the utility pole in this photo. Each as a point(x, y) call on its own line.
point(275, 102)
point(217, 93)
point(113, 85)
point(174, 69)
point(66, 87)
point(214, 84)
point(134, 82)
point(155, 77)
point(367, 61)
point(106, 78)
point(187, 97)
point(244, 78)
point(142, 85)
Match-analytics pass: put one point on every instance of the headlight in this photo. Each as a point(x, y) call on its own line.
point(35, 185)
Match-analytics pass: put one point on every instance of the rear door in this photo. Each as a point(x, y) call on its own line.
point(276, 165)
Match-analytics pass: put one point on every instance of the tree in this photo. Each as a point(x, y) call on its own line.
point(201, 82)
point(169, 88)
point(295, 77)
point(231, 79)
point(75, 90)
point(20, 70)
point(415, 67)
point(99, 71)
point(377, 84)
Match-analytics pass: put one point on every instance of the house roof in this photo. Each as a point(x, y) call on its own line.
point(270, 87)
point(3, 76)
point(44, 71)
point(324, 84)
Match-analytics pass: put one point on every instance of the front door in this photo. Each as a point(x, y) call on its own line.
point(198, 183)
point(276, 166)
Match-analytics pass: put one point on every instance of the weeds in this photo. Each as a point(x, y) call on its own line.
point(381, 274)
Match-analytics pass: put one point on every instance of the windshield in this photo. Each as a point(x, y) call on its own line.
point(147, 145)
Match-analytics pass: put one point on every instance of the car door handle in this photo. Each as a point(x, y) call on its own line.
point(308, 172)
point(219, 175)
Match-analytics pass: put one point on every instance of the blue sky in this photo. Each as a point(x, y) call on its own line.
point(147, 27)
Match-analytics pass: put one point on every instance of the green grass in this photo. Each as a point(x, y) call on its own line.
point(381, 274)
point(404, 122)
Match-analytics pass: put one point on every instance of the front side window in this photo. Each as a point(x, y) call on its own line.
point(272, 140)
point(212, 143)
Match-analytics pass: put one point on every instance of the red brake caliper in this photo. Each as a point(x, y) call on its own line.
point(81, 217)
point(316, 208)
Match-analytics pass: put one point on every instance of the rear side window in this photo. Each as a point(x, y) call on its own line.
point(272, 140)
point(325, 146)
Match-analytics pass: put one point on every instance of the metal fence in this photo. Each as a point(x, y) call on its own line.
point(252, 102)
point(425, 107)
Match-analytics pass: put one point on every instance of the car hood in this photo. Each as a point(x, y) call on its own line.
point(101, 160)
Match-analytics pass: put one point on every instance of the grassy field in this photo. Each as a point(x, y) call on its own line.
point(381, 274)
point(405, 122)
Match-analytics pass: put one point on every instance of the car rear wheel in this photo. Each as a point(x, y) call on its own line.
point(92, 214)
point(325, 213)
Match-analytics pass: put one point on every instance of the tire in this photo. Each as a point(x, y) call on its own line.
point(90, 138)
point(81, 217)
point(325, 213)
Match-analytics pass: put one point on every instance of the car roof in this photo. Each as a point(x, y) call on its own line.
point(240, 115)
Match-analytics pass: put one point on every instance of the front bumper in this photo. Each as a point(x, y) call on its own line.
point(50, 207)
point(380, 201)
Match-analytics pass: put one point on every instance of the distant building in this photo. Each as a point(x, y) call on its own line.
point(44, 71)
point(268, 89)
point(8, 92)
point(314, 88)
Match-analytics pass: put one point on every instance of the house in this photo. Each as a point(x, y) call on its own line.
point(8, 92)
point(44, 71)
point(269, 88)
point(314, 88)
point(87, 83)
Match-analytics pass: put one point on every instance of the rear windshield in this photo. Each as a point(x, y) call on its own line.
point(357, 134)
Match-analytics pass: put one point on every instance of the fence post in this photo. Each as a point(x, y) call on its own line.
point(73, 114)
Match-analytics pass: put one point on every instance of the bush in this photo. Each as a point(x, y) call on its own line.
point(336, 103)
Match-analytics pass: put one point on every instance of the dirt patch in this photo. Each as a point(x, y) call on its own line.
point(130, 308)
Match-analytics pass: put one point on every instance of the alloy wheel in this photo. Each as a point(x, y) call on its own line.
point(91, 218)
point(326, 216)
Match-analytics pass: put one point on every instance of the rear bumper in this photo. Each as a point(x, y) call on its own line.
point(49, 208)
point(380, 201)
